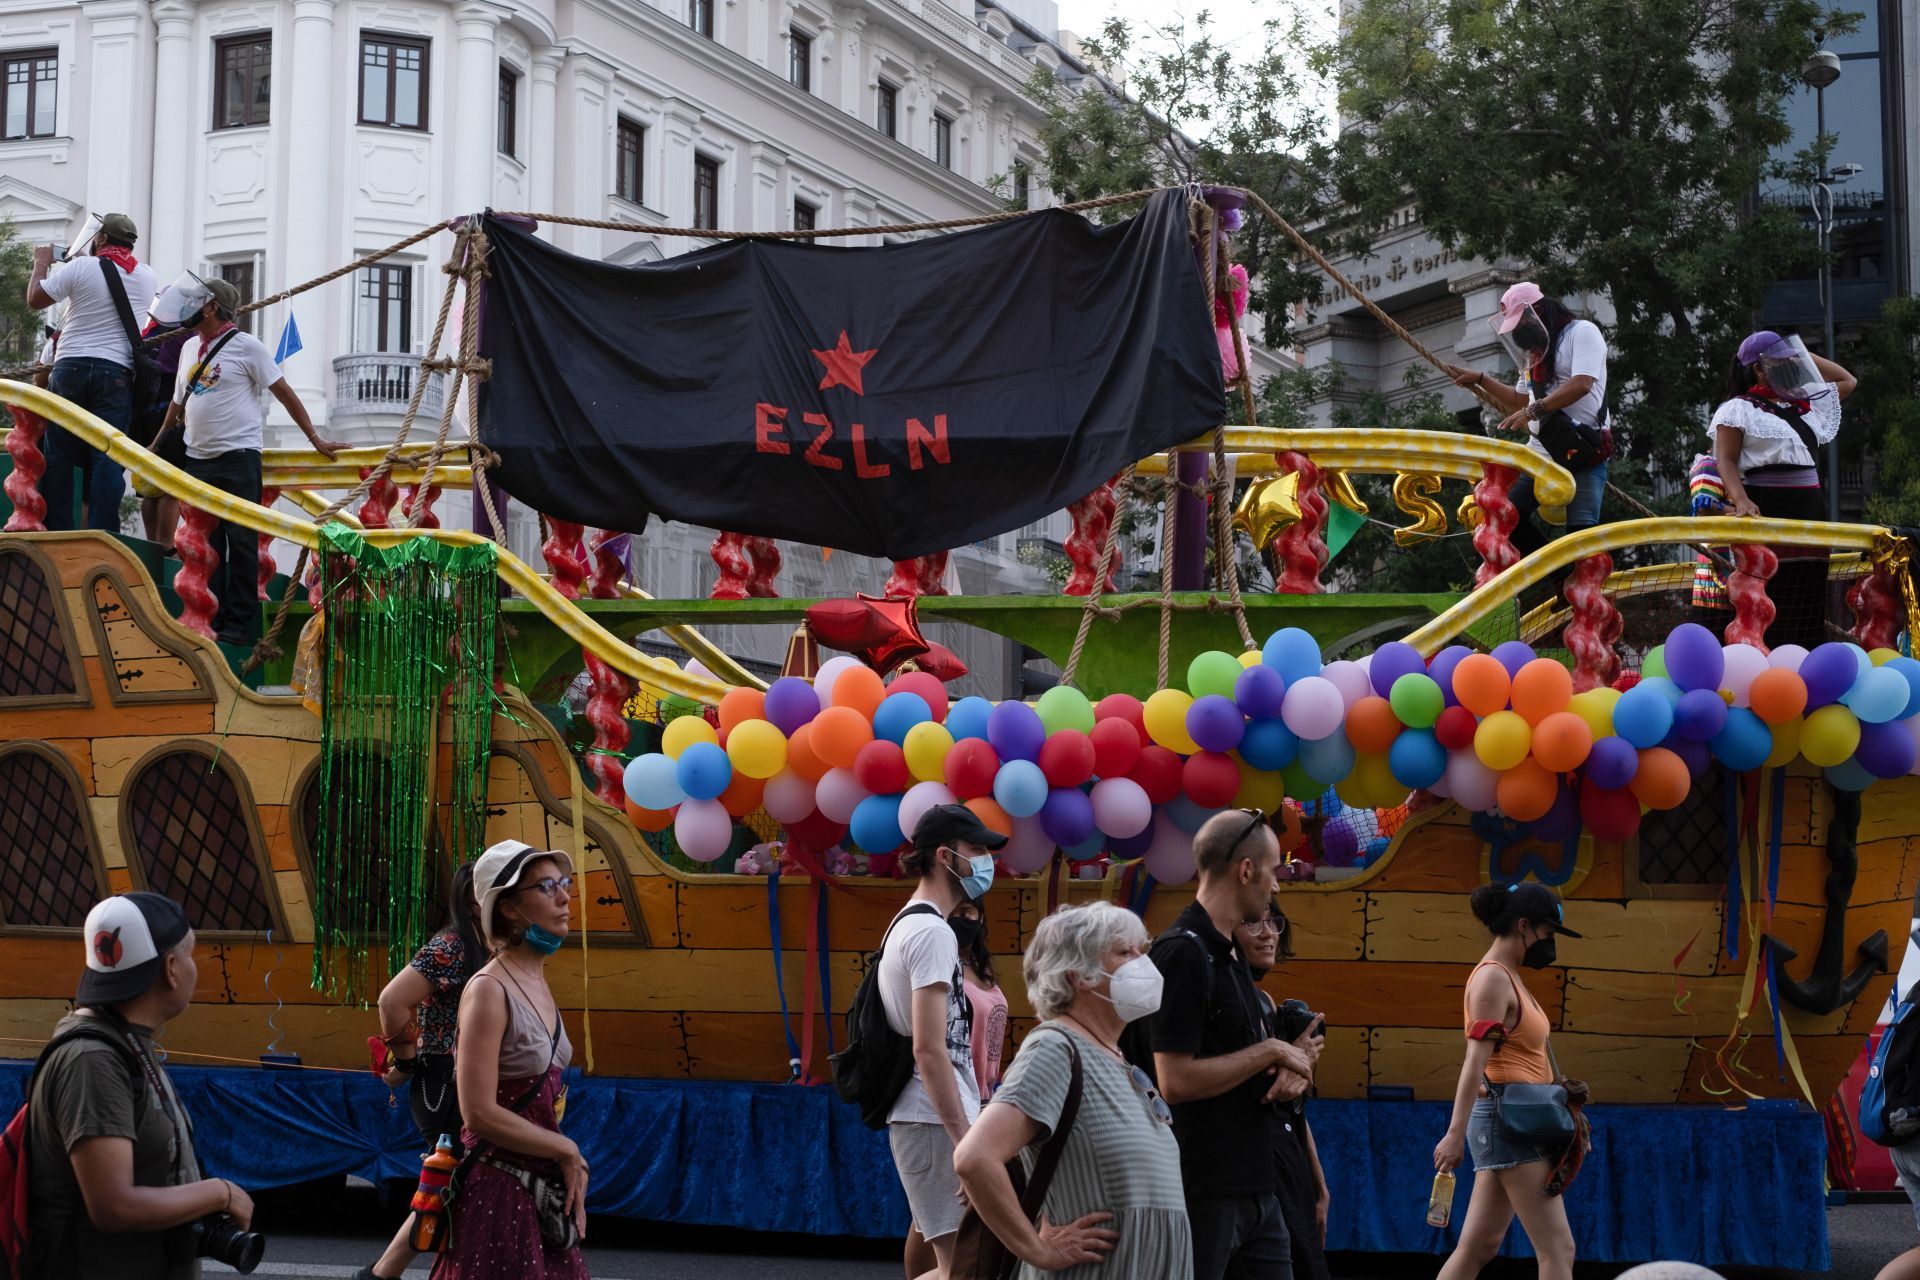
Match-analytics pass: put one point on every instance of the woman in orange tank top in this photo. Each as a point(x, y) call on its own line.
point(1506, 1044)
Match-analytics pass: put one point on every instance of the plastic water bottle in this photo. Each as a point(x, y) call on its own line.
point(429, 1199)
point(1440, 1204)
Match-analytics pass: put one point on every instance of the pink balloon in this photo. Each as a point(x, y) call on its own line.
point(1788, 657)
point(1475, 787)
point(1169, 859)
point(1313, 708)
point(703, 829)
point(1350, 678)
point(1028, 850)
point(1743, 663)
point(838, 794)
point(788, 797)
point(1121, 807)
point(921, 797)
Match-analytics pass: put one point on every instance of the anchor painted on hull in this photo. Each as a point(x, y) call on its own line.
point(1824, 989)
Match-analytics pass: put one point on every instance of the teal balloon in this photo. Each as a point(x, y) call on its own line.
point(1329, 760)
point(1850, 775)
point(1880, 695)
point(703, 771)
point(1213, 672)
point(1417, 701)
point(1065, 707)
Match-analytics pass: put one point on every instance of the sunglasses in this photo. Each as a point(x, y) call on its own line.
point(550, 885)
point(1255, 818)
point(1143, 1085)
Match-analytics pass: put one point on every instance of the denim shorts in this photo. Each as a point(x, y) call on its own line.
point(1493, 1149)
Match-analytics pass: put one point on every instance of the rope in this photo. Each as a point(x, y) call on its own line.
point(1099, 580)
point(1166, 588)
point(1227, 565)
point(472, 269)
point(268, 649)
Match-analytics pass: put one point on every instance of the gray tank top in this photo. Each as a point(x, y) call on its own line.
point(527, 1044)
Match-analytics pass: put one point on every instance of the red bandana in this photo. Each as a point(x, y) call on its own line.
point(118, 255)
point(1766, 392)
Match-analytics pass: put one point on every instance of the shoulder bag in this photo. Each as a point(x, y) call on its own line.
point(172, 446)
point(152, 389)
point(1527, 1112)
point(977, 1252)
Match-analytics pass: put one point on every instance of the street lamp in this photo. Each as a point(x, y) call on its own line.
point(1817, 72)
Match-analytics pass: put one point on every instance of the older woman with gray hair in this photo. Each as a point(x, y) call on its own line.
point(1115, 1206)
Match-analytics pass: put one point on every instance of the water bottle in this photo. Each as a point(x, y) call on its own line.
point(429, 1199)
point(1440, 1204)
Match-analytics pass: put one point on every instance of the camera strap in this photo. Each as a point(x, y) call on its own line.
point(155, 1081)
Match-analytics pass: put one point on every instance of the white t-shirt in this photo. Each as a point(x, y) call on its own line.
point(224, 406)
point(1582, 350)
point(92, 328)
point(921, 952)
point(1767, 440)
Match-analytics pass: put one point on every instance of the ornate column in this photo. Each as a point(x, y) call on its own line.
point(586, 114)
point(166, 232)
point(543, 139)
point(311, 233)
point(117, 111)
point(476, 88)
point(769, 183)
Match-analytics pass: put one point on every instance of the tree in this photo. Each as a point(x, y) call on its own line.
point(1888, 366)
point(1617, 145)
point(19, 323)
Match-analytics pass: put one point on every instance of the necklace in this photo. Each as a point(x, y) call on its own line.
point(1091, 1035)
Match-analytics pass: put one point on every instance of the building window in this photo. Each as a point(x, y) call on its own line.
point(943, 140)
point(706, 193)
point(805, 216)
point(629, 162)
point(700, 16)
point(243, 80)
point(240, 276)
point(800, 60)
point(393, 81)
point(509, 100)
point(1022, 185)
point(28, 93)
point(886, 117)
point(383, 316)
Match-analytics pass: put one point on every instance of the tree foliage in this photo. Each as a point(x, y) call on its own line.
point(19, 323)
point(1888, 366)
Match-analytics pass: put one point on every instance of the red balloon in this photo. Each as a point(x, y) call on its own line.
point(881, 767)
point(1116, 746)
point(1066, 757)
point(971, 765)
point(928, 687)
point(817, 831)
point(1123, 706)
point(1157, 771)
point(1609, 815)
point(1211, 779)
point(1455, 728)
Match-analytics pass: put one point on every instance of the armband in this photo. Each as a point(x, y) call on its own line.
point(1488, 1029)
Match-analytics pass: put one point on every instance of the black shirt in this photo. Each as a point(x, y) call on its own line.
point(1209, 1007)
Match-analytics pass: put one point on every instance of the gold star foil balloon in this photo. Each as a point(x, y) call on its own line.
point(1267, 508)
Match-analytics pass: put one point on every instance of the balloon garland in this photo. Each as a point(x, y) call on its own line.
point(850, 757)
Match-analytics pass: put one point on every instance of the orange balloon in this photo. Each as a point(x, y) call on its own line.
point(741, 704)
point(1662, 781)
point(1372, 726)
point(1527, 791)
point(1778, 695)
point(859, 688)
point(1542, 688)
point(1561, 742)
point(1287, 826)
point(801, 758)
point(1481, 684)
point(989, 813)
point(839, 733)
point(742, 795)
point(649, 819)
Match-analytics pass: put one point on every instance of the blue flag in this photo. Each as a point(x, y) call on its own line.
point(289, 341)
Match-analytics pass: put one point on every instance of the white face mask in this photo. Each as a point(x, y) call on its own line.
point(1135, 989)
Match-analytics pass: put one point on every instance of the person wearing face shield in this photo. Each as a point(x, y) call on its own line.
point(1782, 407)
point(924, 995)
point(1114, 1205)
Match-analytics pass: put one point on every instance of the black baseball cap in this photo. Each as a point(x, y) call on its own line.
point(1531, 900)
point(127, 937)
point(946, 823)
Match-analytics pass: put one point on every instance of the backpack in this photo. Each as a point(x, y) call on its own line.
point(16, 1166)
point(878, 1061)
point(152, 388)
point(1890, 1099)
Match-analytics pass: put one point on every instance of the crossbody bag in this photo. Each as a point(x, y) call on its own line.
point(161, 443)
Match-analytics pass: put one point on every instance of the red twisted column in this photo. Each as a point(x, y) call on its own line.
point(606, 704)
point(729, 551)
point(1092, 520)
point(423, 503)
point(1498, 519)
point(268, 496)
point(376, 512)
point(1595, 625)
point(566, 553)
point(1753, 609)
point(1301, 548)
point(197, 563)
point(609, 571)
point(766, 567)
point(1877, 616)
point(29, 465)
point(920, 576)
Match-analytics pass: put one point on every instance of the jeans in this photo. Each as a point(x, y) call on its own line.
point(104, 389)
point(1239, 1238)
point(1589, 487)
point(235, 581)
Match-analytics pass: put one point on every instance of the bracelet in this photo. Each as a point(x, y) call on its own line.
point(229, 1186)
point(406, 1066)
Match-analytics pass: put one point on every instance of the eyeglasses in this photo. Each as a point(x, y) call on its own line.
point(551, 885)
point(1143, 1085)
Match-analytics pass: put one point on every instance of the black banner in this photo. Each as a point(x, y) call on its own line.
point(890, 401)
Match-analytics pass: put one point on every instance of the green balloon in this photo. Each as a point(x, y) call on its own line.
point(1301, 785)
point(1213, 672)
point(1655, 663)
point(1065, 707)
point(1417, 701)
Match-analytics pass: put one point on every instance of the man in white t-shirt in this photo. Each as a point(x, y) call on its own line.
point(95, 366)
point(219, 394)
point(920, 988)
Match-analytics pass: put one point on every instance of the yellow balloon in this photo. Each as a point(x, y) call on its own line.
point(684, 732)
point(1261, 789)
point(1829, 736)
point(926, 750)
point(1786, 743)
point(1881, 657)
point(1595, 706)
point(1377, 788)
point(1251, 658)
point(1502, 740)
point(1166, 718)
point(758, 749)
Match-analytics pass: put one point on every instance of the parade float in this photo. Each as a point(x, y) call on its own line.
point(1729, 824)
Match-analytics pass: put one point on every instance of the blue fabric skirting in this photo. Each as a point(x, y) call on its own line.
point(1698, 1184)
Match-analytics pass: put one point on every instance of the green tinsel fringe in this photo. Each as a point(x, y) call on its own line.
point(406, 626)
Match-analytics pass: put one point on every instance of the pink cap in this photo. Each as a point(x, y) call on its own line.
point(1514, 303)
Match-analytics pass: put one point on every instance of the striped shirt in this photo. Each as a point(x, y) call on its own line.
point(1118, 1159)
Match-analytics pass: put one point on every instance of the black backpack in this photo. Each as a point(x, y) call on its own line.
point(152, 388)
point(878, 1061)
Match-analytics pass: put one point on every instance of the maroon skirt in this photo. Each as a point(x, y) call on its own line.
point(495, 1232)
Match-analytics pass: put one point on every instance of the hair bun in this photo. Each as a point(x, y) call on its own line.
point(1489, 903)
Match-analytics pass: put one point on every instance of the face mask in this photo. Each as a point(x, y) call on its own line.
point(967, 932)
point(1531, 336)
point(976, 883)
point(543, 941)
point(1540, 953)
point(1134, 989)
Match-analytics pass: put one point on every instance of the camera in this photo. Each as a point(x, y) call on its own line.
point(1292, 1018)
point(217, 1236)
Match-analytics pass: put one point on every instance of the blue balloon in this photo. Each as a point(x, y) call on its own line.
point(1850, 775)
point(1090, 847)
point(897, 713)
point(1830, 672)
point(1879, 696)
point(1612, 763)
point(967, 718)
point(1643, 716)
point(1020, 788)
point(1186, 815)
point(1014, 731)
point(1745, 742)
point(1294, 653)
point(1861, 658)
point(703, 771)
point(876, 824)
point(1701, 715)
point(1329, 760)
point(1695, 659)
point(1513, 655)
point(1664, 687)
point(653, 782)
point(1392, 660)
point(1417, 759)
point(1067, 816)
point(1441, 669)
point(1885, 750)
point(1910, 670)
point(1269, 745)
point(1260, 690)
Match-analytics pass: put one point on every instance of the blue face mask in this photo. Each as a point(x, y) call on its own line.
point(976, 883)
point(541, 940)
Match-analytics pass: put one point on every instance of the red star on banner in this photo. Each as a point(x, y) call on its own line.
point(844, 365)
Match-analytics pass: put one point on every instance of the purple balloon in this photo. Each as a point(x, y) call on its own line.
point(791, 702)
point(1392, 660)
point(1696, 755)
point(1067, 816)
point(1830, 672)
point(1513, 655)
point(1260, 691)
point(1127, 847)
point(1612, 763)
point(1885, 750)
point(1014, 730)
point(1695, 659)
point(1701, 715)
point(1215, 723)
point(1441, 669)
point(1561, 821)
point(1339, 844)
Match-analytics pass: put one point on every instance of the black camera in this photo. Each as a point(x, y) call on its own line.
point(1292, 1018)
point(218, 1237)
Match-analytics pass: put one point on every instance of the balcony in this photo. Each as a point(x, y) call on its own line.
point(381, 382)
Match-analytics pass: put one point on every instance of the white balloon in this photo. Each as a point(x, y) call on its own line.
point(1121, 807)
point(703, 829)
point(1787, 657)
point(829, 672)
point(838, 794)
point(1743, 663)
point(921, 797)
point(1350, 678)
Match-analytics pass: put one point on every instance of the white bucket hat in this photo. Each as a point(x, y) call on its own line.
point(501, 868)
